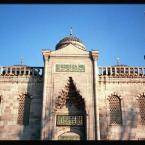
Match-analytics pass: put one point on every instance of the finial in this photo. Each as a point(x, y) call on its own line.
point(118, 60)
point(70, 30)
point(22, 60)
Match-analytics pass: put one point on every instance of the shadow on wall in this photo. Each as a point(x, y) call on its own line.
point(130, 122)
point(71, 99)
point(30, 108)
point(46, 123)
point(76, 106)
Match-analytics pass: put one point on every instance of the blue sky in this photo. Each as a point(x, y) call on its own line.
point(116, 30)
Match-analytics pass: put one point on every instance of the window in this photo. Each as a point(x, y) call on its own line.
point(24, 109)
point(141, 103)
point(115, 110)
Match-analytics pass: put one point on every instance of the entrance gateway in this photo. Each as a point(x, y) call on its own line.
point(69, 98)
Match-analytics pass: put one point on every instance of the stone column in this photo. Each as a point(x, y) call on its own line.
point(29, 71)
point(133, 71)
point(96, 107)
point(129, 71)
point(24, 71)
point(20, 71)
point(110, 71)
point(143, 71)
point(44, 127)
point(123, 70)
point(6, 69)
point(106, 69)
point(15, 71)
point(138, 71)
point(10, 70)
point(115, 70)
point(100, 70)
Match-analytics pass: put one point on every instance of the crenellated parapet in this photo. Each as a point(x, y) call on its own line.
point(121, 71)
point(21, 70)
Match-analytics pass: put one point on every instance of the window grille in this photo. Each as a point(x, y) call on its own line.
point(115, 110)
point(24, 110)
point(141, 102)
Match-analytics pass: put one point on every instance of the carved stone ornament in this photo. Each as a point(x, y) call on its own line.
point(69, 96)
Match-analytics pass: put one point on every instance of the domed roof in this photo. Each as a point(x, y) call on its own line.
point(70, 40)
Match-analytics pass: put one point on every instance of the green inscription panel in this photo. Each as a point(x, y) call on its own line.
point(69, 68)
point(66, 120)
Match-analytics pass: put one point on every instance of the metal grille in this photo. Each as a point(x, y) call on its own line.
point(141, 102)
point(24, 110)
point(115, 110)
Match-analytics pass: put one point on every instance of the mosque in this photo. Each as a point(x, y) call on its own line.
point(72, 98)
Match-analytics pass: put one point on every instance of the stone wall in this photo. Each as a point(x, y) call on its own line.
point(12, 88)
point(127, 89)
point(16, 88)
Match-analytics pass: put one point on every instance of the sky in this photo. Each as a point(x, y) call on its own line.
point(116, 30)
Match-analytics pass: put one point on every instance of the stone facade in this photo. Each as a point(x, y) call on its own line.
point(72, 98)
point(12, 90)
point(128, 90)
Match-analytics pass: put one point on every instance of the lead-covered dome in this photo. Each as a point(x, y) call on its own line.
point(70, 40)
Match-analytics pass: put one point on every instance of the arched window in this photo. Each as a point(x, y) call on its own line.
point(70, 111)
point(24, 109)
point(141, 104)
point(115, 110)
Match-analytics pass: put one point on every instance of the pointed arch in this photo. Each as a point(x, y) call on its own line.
point(24, 109)
point(70, 111)
point(141, 105)
point(115, 109)
point(69, 96)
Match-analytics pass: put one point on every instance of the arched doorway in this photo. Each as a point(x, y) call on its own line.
point(70, 113)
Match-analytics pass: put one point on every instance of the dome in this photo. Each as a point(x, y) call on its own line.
point(70, 40)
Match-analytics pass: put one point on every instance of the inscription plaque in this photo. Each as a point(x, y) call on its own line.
point(69, 120)
point(69, 68)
